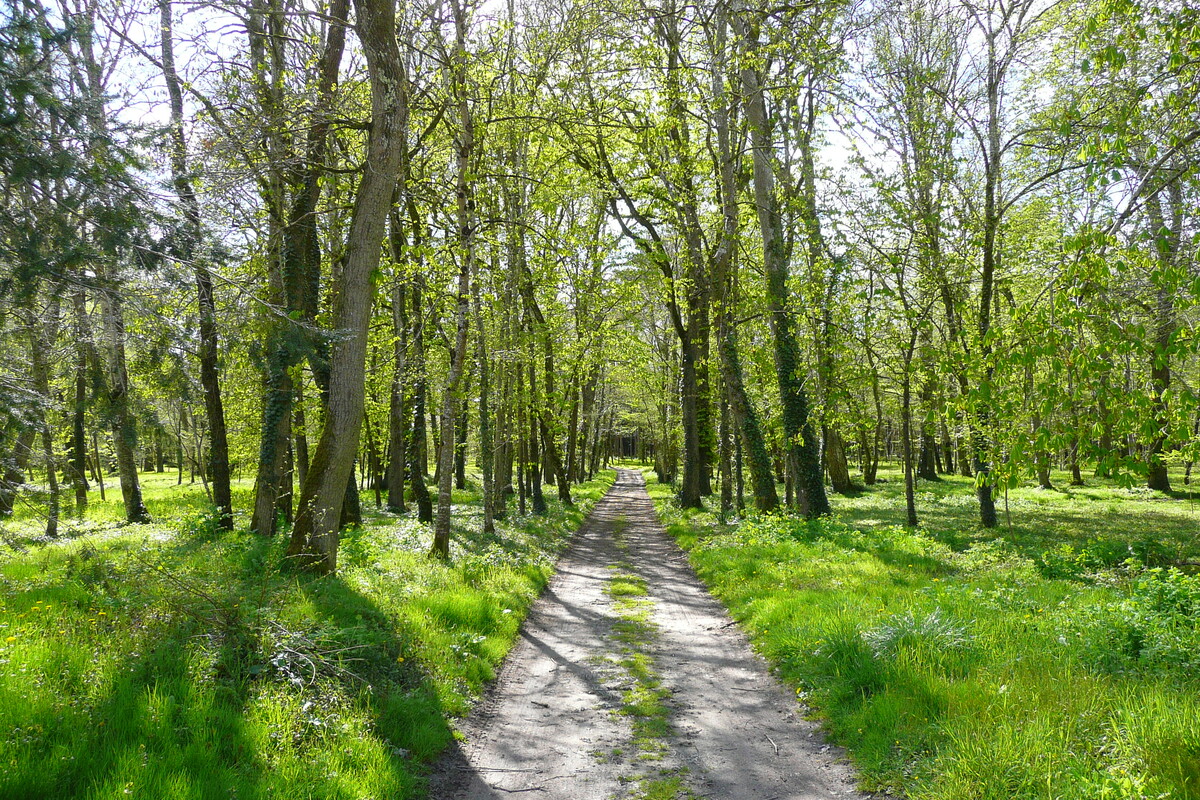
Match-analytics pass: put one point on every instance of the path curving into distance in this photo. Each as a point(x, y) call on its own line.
point(629, 678)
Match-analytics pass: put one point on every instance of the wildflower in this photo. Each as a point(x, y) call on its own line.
point(11, 639)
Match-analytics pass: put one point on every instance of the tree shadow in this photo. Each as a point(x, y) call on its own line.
point(159, 720)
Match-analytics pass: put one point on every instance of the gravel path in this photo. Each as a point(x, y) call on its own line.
point(558, 722)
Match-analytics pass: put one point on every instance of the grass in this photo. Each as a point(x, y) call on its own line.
point(645, 701)
point(174, 661)
point(1056, 658)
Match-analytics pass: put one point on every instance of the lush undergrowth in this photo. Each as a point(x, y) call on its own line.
point(1056, 658)
point(172, 661)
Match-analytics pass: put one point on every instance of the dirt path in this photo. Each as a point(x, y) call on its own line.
point(631, 680)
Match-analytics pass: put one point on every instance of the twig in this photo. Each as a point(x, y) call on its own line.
point(772, 741)
point(516, 791)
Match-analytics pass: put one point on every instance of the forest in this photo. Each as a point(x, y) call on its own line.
point(324, 324)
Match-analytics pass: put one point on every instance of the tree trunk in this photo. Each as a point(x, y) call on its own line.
point(740, 500)
point(124, 427)
point(487, 451)
point(947, 448)
point(927, 466)
point(463, 425)
point(218, 449)
point(41, 332)
point(324, 492)
point(725, 456)
point(273, 445)
point(910, 505)
point(79, 411)
point(418, 446)
point(836, 462)
point(738, 402)
point(1168, 241)
point(573, 436)
point(299, 435)
point(534, 469)
point(398, 410)
point(797, 426)
point(465, 220)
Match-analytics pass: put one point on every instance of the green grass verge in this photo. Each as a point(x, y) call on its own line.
point(173, 661)
point(1055, 659)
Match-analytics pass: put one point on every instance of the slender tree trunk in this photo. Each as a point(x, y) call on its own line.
point(738, 474)
point(947, 448)
point(522, 445)
point(487, 451)
point(534, 470)
point(116, 375)
point(725, 459)
point(572, 435)
point(398, 408)
point(910, 506)
point(417, 447)
point(739, 404)
point(300, 435)
point(218, 450)
point(465, 221)
point(463, 425)
point(927, 459)
point(79, 411)
point(40, 341)
point(99, 466)
point(372, 472)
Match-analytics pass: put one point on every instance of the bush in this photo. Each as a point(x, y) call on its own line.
point(1155, 627)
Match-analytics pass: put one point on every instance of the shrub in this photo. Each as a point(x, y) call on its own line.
point(1155, 627)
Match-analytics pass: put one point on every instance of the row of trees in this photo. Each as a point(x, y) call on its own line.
point(768, 239)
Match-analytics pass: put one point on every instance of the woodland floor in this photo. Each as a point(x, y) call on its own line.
point(630, 680)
